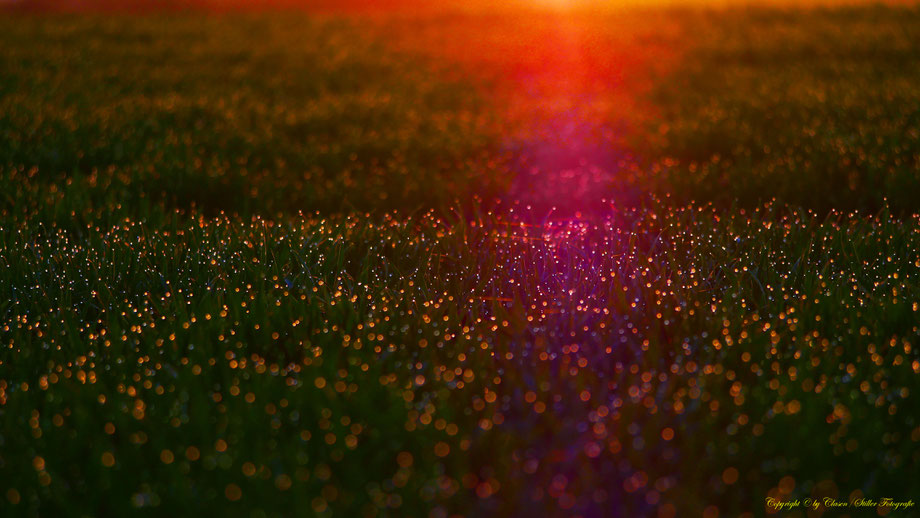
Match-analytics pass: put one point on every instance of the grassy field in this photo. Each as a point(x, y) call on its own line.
point(658, 262)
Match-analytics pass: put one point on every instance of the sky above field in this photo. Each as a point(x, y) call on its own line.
point(416, 5)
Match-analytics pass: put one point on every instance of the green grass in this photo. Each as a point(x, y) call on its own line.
point(815, 108)
point(242, 274)
point(196, 111)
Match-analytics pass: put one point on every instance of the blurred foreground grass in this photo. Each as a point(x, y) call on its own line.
point(159, 357)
